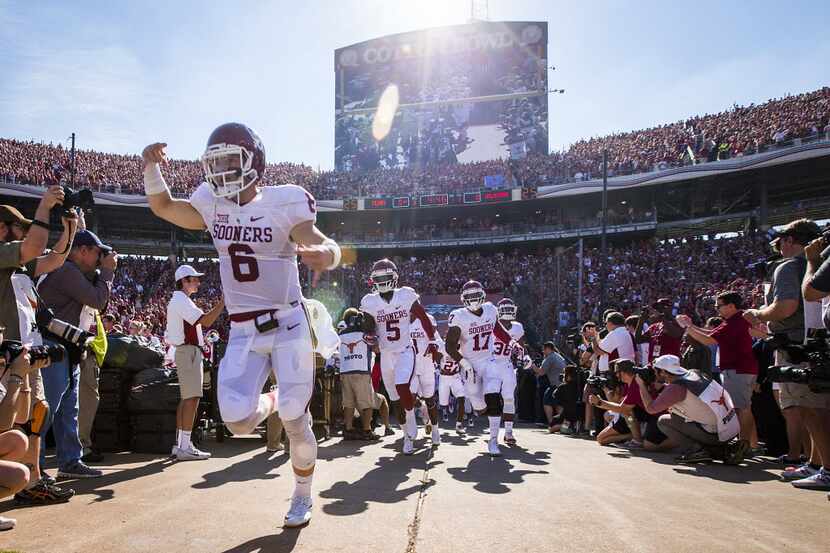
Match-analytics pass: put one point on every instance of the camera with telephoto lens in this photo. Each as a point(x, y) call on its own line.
point(69, 333)
point(82, 199)
point(815, 354)
point(597, 383)
point(11, 350)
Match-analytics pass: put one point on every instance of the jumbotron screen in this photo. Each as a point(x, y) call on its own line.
point(445, 95)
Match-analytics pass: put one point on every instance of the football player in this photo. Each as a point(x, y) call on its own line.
point(423, 382)
point(500, 378)
point(468, 340)
point(449, 380)
point(258, 232)
point(389, 312)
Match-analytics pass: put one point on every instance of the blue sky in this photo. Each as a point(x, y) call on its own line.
point(122, 74)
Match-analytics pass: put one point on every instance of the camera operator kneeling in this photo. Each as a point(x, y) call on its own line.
point(564, 402)
point(701, 419)
point(628, 427)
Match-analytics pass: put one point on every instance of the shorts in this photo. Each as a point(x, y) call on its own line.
point(189, 367)
point(449, 383)
point(500, 378)
point(251, 356)
point(548, 399)
point(397, 367)
point(357, 391)
point(474, 384)
point(423, 381)
point(739, 387)
point(798, 395)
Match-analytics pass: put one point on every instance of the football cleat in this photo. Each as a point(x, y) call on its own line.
point(493, 448)
point(459, 427)
point(408, 445)
point(299, 513)
point(436, 437)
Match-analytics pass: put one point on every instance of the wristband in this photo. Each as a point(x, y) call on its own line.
point(16, 379)
point(41, 224)
point(153, 180)
point(335, 251)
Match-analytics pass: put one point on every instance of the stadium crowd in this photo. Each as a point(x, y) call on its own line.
point(742, 130)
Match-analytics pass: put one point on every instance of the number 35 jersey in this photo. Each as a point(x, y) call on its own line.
point(257, 258)
point(476, 330)
point(392, 317)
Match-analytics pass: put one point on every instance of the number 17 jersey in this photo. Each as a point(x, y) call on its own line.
point(476, 331)
point(392, 318)
point(257, 258)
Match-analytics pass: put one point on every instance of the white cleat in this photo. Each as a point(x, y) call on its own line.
point(190, 454)
point(408, 445)
point(436, 437)
point(299, 513)
point(459, 428)
point(493, 448)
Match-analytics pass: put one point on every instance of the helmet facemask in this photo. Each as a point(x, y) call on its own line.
point(383, 281)
point(228, 169)
point(507, 311)
point(473, 298)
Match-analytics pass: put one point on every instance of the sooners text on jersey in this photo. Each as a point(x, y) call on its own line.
point(476, 330)
point(392, 317)
point(257, 258)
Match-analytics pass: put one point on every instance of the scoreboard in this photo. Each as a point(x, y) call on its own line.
point(440, 200)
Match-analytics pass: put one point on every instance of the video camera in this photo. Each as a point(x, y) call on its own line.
point(69, 333)
point(11, 350)
point(815, 354)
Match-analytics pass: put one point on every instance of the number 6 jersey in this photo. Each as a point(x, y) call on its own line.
point(257, 258)
point(392, 318)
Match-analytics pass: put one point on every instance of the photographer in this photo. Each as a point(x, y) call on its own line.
point(663, 335)
point(14, 404)
point(815, 287)
point(702, 420)
point(356, 360)
point(67, 290)
point(738, 367)
point(549, 377)
point(41, 489)
point(784, 313)
point(617, 344)
point(565, 402)
point(627, 427)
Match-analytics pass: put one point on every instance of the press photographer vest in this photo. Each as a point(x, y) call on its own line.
point(355, 355)
point(706, 400)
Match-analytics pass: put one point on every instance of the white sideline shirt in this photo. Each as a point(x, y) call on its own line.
point(182, 315)
point(618, 340)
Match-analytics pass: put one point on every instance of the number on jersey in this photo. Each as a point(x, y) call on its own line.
point(245, 267)
point(481, 341)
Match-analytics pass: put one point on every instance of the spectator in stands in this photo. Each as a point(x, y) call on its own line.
point(108, 320)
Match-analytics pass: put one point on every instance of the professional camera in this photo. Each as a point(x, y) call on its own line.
point(815, 354)
point(82, 199)
point(11, 349)
point(765, 267)
point(46, 321)
point(597, 383)
point(646, 374)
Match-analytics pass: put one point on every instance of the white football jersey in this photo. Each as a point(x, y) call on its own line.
point(392, 317)
point(475, 330)
point(448, 365)
point(257, 258)
point(504, 339)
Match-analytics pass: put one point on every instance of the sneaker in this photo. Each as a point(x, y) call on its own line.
point(274, 448)
point(92, 456)
point(736, 452)
point(48, 479)
point(7, 523)
point(798, 472)
point(509, 439)
point(388, 432)
point(470, 422)
point(299, 513)
point(43, 494)
point(190, 454)
point(369, 436)
point(788, 462)
point(699, 456)
point(631, 445)
point(446, 416)
point(756, 451)
point(436, 437)
point(79, 470)
point(567, 430)
point(493, 448)
point(408, 446)
point(819, 481)
point(459, 428)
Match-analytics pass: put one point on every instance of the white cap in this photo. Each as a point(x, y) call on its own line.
point(187, 271)
point(670, 364)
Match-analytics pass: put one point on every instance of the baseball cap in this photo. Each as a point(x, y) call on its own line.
point(9, 214)
point(89, 238)
point(670, 364)
point(187, 271)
